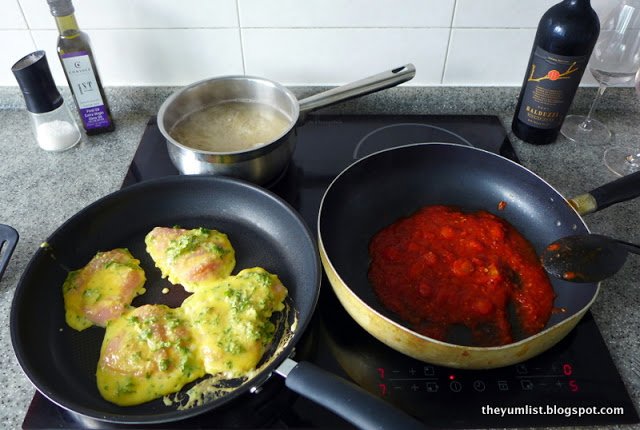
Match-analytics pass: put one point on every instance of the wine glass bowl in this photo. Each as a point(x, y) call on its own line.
point(623, 160)
point(614, 61)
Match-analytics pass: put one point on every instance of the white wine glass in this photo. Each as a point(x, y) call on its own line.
point(623, 160)
point(614, 61)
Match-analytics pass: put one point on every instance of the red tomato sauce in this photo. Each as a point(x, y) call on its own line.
point(442, 267)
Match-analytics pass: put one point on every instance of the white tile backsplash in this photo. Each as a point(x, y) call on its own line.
point(20, 45)
point(510, 13)
point(159, 57)
point(311, 42)
point(137, 14)
point(500, 13)
point(11, 17)
point(337, 56)
point(470, 64)
point(345, 14)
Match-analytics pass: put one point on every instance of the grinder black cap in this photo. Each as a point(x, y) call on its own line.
point(34, 77)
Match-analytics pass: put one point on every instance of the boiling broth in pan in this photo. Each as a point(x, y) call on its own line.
point(231, 126)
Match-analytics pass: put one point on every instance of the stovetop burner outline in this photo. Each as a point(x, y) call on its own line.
point(387, 127)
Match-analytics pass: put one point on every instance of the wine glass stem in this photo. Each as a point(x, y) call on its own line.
point(586, 124)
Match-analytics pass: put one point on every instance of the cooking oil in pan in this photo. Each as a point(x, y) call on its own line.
point(231, 126)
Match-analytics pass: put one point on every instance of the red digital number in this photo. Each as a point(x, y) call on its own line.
point(567, 369)
point(381, 372)
point(383, 389)
point(573, 386)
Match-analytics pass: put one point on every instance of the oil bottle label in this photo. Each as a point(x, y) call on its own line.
point(82, 80)
point(551, 83)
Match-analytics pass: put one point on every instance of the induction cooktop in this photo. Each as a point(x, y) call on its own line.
point(574, 383)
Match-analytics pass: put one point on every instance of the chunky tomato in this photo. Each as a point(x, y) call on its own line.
point(442, 267)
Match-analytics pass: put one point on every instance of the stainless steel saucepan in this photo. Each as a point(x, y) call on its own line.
point(264, 163)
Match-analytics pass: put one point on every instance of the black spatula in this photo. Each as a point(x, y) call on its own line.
point(586, 257)
point(8, 242)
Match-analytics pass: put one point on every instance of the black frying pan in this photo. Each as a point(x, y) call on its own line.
point(264, 231)
point(383, 187)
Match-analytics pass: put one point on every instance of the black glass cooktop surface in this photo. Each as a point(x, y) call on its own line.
point(574, 383)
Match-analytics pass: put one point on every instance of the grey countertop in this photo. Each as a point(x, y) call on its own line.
point(40, 190)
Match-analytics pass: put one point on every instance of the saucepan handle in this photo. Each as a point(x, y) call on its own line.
point(620, 190)
point(8, 242)
point(354, 404)
point(378, 82)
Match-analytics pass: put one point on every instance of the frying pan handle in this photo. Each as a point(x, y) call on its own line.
point(8, 242)
point(374, 83)
point(620, 190)
point(347, 400)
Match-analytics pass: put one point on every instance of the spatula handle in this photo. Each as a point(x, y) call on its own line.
point(8, 242)
point(620, 190)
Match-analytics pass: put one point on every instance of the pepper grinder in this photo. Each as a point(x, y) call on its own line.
point(53, 126)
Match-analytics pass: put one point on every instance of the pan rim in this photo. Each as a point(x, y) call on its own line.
point(241, 154)
point(326, 261)
point(171, 415)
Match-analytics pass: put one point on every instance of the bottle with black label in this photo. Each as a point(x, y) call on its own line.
point(565, 38)
point(76, 56)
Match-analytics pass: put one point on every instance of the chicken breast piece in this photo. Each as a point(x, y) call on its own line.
point(146, 353)
point(191, 258)
point(103, 289)
point(231, 320)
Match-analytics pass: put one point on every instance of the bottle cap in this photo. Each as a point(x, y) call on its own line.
point(38, 88)
point(60, 7)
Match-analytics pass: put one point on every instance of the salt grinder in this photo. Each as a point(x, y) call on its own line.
point(54, 127)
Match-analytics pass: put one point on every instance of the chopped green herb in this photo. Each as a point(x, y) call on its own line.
point(164, 364)
point(127, 388)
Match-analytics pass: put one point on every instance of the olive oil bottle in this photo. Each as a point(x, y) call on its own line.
point(76, 56)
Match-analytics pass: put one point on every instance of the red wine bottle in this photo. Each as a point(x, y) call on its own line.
point(563, 44)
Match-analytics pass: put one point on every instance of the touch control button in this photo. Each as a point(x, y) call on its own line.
point(432, 387)
point(526, 384)
point(479, 386)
